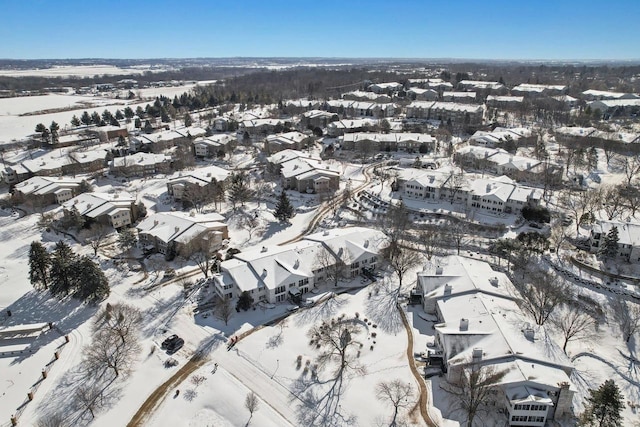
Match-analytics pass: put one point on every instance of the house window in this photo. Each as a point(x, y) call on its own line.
point(303, 282)
point(280, 289)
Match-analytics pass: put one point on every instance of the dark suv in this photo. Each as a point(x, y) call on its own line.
point(169, 341)
point(175, 345)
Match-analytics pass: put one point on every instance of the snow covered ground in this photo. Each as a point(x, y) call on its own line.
point(81, 71)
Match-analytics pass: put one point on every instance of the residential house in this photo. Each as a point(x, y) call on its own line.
point(115, 209)
point(141, 164)
point(616, 107)
point(359, 95)
point(302, 173)
point(483, 87)
point(496, 137)
point(419, 94)
point(409, 142)
point(214, 146)
point(44, 191)
point(479, 324)
point(297, 106)
point(504, 101)
point(201, 177)
point(183, 234)
point(316, 118)
point(436, 84)
point(534, 90)
point(628, 238)
point(284, 141)
point(255, 127)
point(274, 273)
point(460, 115)
point(387, 88)
point(345, 126)
point(598, 95)
point(464, 97)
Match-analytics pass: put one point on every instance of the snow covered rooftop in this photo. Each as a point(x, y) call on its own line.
point(41, 185)
point(94, 205)
point(180, 226)
point(482, 84)
point(200, 176)
point(388, 137)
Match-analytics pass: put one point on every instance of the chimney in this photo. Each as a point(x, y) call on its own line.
point(325, 233)
point(477, 354)
point(447, 289)
point(177, 229)
point(464, 324)
point(438, 271)
point(264, 249)
point(488, 187)
point(366, 243)
point(264, 273)
point(296, 264)
point(155, 222)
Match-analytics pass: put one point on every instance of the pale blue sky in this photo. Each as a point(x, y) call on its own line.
point(475, 29)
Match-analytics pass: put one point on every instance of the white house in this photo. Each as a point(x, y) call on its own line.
point(269, 273)
point(117, 209)
point(200, 177)
point(42, 190)
point(628, 238)
point(480, 324)
point(182, 233)
point(528, 89)
point(212, 145)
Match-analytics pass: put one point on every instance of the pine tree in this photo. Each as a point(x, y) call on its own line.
point(95, 118)
point(119, 115)
point(127, 239)
point(75, 121)
point(188, 121)
point(128, 113)
point(92, 283)
point(39, 264)
point(239, 191)
point(147, 127)
point(85, 118)
point(54, 128)
point(610, 243)
point(61, 272)
point(604, 406)
point(284, 209)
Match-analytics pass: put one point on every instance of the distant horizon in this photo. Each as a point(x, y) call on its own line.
point(494, 30)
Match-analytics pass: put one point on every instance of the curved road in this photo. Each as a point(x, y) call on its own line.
point(197, 360)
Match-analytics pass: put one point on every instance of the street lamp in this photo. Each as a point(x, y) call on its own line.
point(277, 366)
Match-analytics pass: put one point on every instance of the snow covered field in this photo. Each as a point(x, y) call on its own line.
point(81, 71)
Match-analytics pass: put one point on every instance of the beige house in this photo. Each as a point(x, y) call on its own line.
point(117, 210)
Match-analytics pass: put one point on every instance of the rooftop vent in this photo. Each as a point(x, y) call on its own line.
point(529, 333)
point(447, 289)
point(493, 281)
point(264, 249)
point(464, 324)
point(439, 271)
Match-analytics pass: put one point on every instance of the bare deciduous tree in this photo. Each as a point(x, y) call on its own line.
point(402, 259)
point(109, 353)
point(251, 403)
point(336, 342)
point(542, 295)
point(119, 319)
point(575, 324)
point(223, 309)
point(333, 269)
point(395, 393)
point(197, 380)
point(96, 236)
point(472, 387)
point(578, 203)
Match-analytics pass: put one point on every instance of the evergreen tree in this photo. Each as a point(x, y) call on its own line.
point(127, 239)
point(188, 121)
point(137, 124)
point(106, 116)
point(604, 406)
point(239, 191)
point(140, 112)
point(54, 128)
point(61, 273)
point(164, 116)
point(85, 118)
point(43, 131)
point(128, 113)
point(95, 118)
point(92, 283)
point(39, 264)
point(114, 122)
point(147, 127)
point(610, 243)
point(244, 301)
point(284, 209)
point(119, 114)
point(75, 121)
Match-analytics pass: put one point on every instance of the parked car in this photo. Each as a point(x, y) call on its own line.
point(168, 341)
point(175, 345)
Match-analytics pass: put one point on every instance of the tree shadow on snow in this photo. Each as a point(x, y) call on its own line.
point(320, 402)
point(323, 310)
point(381, 308)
